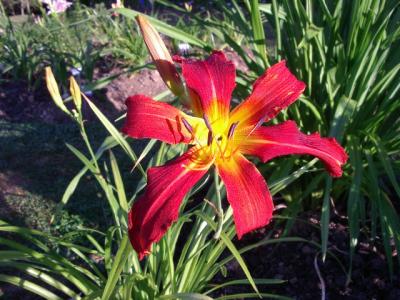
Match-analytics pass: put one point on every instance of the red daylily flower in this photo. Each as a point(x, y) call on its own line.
point(220, 138)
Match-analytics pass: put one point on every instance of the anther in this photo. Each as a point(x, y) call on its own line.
point(232, 129)
point(209, 138)
point(259, 123)
point(207, 121)
point(187, 125)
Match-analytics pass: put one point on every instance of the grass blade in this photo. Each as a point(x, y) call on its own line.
point(325, 216)
point(29, 286)
point(166, 29)
point(118, 265)
point(258, 32)
point(231, 248)
point(115, 133)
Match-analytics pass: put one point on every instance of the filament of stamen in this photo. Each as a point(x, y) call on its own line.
point(259, 123)
point(201, 163)
point(220, 150)
point(187, 125)
point(190, 129)
point(190, 168)
point(207, 122)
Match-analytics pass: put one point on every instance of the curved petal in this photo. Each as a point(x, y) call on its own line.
point(247, 193)
point(275, 90)
point(152, 214)
point(213, 80)
point(283, 139)
point(147, 118)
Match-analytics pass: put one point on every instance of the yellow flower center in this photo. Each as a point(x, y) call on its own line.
point(220, 143)
point(214, 142)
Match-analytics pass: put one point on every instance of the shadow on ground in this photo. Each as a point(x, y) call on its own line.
point(36, 167)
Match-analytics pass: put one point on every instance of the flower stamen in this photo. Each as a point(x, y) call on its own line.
point(231, 130)
point(207, 122)
point(259, 123)
point(218, 143)
point(187, 126)
point(190, 129)
point(209, 138)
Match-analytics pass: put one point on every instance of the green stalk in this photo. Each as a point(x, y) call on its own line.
point(220, 211)
point(87, 143)
point(118, 265)
point(160, 154)
point(277, 30)
point(99, 176)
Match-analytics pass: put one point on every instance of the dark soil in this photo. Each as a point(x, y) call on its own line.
point(20, 104)
point(298, 264)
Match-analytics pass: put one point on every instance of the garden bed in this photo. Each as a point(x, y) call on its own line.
point(351, 95)
point(27, 200)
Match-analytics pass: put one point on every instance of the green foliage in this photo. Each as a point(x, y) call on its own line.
point(18, 57)
point(120, 37)
point(66, 223)
point(79, 39)
point(346, 53)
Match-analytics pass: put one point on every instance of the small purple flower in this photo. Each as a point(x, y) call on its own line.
point(75, 71)
point(56, 6)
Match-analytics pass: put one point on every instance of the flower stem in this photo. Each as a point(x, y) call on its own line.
point(87, 143)
point(160, 154)
point(220, 211)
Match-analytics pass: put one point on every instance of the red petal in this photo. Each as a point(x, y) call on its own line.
point(275, 90)
point(213, 80)
point(285, 138)
point(247, 193)
point(153, 213)
point(147, 118)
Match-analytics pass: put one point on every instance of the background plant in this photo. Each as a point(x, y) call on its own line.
point(89, 36)
point(346, 54)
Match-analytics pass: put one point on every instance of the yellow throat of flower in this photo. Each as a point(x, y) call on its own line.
point(215, 142)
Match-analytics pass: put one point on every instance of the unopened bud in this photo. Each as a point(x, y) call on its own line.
point(75, 93)
point(188, 6)
point(54, 91)
point(161, 57)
